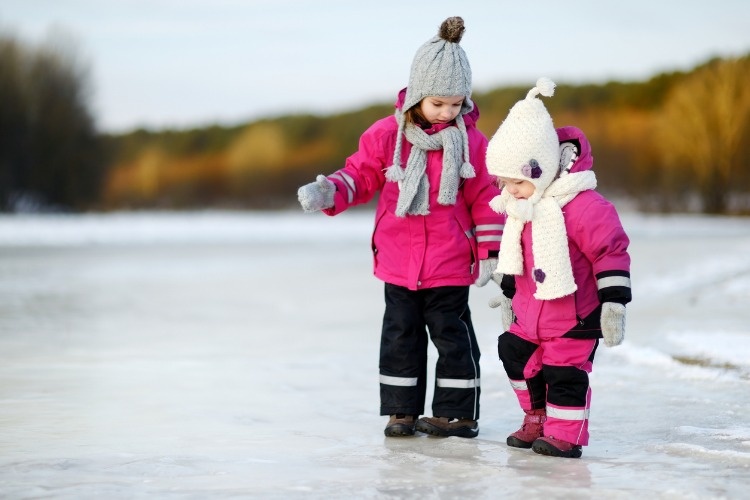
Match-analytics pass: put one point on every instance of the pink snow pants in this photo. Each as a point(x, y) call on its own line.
point(552, 373)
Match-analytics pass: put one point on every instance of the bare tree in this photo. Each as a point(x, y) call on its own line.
point(701, 128)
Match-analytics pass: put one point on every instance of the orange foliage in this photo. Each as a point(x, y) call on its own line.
point(258, 147)
point(154, 176)
point(313, 153)
point(642, 147)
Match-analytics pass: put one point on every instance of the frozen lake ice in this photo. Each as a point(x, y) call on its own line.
point(234, 355)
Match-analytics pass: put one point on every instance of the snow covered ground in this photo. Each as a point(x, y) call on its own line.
point(234, 355)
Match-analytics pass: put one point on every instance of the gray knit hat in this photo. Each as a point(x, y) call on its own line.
point(440, 67)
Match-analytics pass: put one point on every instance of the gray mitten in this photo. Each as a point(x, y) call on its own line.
point(486, 268)
point(317, 195)
point(613, 323)
point(506, 311)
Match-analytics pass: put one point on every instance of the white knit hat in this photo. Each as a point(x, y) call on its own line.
point(525, 145)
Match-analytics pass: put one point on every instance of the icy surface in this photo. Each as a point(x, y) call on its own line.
point(234, 355)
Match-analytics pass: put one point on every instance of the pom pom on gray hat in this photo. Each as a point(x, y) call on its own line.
point(452, 29)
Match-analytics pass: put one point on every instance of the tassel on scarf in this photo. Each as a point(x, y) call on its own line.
point(394, 173)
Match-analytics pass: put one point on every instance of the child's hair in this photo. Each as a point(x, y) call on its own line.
point(414, 116)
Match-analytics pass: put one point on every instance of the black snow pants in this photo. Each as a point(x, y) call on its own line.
point(409, 316)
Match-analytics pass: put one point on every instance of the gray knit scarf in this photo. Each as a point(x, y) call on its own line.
point(414, 187)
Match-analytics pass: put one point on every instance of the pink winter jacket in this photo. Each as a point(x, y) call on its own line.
point(422, 251)
point(598, 249)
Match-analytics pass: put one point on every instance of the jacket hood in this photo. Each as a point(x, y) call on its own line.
point(585, 158)
point(470, 118)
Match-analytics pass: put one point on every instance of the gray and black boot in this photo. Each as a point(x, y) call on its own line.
point(446, 427)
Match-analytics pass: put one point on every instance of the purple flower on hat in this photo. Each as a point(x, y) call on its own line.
point(539, 275)
point(532, 169)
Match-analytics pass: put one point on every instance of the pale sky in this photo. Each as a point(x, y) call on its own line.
point(191, 63)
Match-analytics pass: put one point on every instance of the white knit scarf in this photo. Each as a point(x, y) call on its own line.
point(414, 187)
point(553, 271)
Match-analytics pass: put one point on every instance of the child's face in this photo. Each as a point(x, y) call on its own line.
point(441, 109)
point(520, 189)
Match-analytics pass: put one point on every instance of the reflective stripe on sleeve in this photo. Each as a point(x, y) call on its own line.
point(351, 188)
point(489, 232)
point(489, 237)
point(454, 383)
point(398, 381)
point(613, 281)
point(490, 227)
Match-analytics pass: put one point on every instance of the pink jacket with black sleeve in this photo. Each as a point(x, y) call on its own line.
point(598, 248)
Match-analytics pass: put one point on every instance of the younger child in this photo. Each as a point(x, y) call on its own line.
point(565, 263)
point(435, 235)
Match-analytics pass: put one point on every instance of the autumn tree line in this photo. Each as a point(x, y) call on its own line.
point(677, 142)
